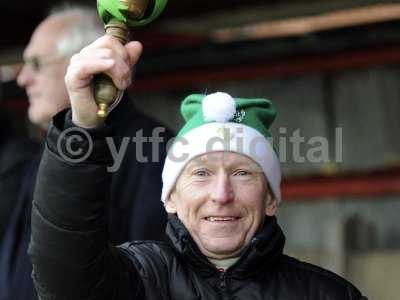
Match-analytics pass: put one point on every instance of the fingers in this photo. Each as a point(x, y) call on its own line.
point(105, 55)
point(80, 71)
point(134, 49)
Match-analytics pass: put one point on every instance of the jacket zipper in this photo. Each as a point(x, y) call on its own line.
point(223, 285)
point(222, 280)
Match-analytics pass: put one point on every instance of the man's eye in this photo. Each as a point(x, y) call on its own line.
point(241, 173)
point(36, 64)
point(201, 173)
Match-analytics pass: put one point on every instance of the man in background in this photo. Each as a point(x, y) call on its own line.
point(64, 32)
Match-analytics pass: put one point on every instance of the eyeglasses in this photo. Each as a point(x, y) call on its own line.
point(37, 64)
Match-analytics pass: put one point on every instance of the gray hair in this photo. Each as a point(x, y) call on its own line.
point(83, 30)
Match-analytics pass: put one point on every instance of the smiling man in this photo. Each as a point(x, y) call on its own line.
point(221, 187)
point(222, 199)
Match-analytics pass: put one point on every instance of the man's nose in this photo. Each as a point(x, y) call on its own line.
point(222, 191)
point(25, 76)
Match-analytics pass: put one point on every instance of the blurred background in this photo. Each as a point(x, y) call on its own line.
point(333, 70)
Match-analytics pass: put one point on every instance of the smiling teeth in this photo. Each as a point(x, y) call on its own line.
point(216, 219)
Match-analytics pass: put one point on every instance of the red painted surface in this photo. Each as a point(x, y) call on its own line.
point(161, 40)
point(385, 182)
point(287, 67)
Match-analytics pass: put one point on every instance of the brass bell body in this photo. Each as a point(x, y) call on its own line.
point(105, 92)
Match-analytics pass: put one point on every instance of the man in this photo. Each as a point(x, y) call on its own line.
point(55, 40)
point(221, 186)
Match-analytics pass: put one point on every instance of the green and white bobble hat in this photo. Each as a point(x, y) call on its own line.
point(218, 122)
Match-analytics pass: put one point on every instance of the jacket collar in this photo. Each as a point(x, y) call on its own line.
point(263, 252)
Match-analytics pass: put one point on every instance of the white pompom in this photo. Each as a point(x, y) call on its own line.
point(219, 107)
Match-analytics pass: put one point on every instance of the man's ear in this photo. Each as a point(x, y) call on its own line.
point(272, 205)
point(170, 205)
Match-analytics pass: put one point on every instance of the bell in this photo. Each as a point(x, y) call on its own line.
point(118, 16)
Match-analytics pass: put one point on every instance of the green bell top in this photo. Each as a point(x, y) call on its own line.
point(116, 9)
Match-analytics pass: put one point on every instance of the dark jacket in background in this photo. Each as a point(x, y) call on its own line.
point(130, 217)
point(72, 258)
point(15, 153)
point(15, 156)
point(15, 265)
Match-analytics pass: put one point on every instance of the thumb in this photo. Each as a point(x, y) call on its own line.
point(135, 50)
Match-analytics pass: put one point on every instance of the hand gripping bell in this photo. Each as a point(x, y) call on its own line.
point(118, 16)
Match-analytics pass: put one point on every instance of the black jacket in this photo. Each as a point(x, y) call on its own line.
point(72, 258)
point(129, 217)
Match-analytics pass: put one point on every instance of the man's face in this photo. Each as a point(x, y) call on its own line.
point(222, 199)
point(43, 74)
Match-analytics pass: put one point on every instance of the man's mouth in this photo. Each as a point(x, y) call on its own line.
point(222, 219)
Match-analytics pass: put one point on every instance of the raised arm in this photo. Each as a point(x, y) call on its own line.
point(71, 256)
